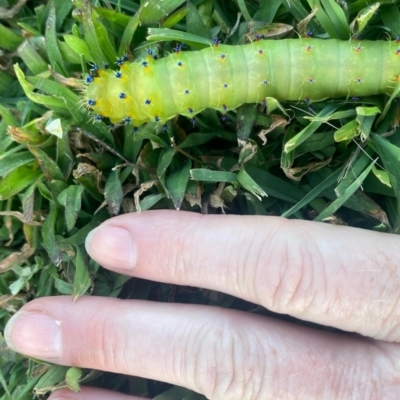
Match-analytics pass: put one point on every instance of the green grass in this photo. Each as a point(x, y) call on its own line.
point(62, 175)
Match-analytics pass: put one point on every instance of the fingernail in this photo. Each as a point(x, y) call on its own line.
point(112, 247)
point(34, 334)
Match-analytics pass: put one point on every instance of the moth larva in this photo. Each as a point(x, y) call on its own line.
point(223, 77)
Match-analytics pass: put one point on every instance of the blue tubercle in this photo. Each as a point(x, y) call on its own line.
point(94, 69)
point(178, 48)
point(89, 79)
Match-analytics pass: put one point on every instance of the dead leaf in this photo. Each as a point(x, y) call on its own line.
point(16, 258)
point(277, 121)
point(143, 188)
point(7, 13)
point(292, 173)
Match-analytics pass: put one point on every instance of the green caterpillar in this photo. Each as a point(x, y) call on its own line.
point(223, 77)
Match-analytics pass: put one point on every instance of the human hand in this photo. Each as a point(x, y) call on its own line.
point(332, 275)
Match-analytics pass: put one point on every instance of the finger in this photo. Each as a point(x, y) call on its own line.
point(91, 393)
point(332, 275)
point(224, 354)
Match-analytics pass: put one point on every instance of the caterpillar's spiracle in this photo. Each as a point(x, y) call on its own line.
point(223, 77)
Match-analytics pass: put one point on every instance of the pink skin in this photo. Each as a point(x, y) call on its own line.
point(337, 276)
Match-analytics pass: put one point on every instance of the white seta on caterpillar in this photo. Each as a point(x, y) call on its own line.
point(223, 77)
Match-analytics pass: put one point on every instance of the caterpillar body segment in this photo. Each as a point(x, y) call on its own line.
point(223, 77)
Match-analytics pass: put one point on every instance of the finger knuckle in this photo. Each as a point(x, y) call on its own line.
point(387, 308)
point(102, 349)
point(385, 371)
point(229, 364)
point(289, 270)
